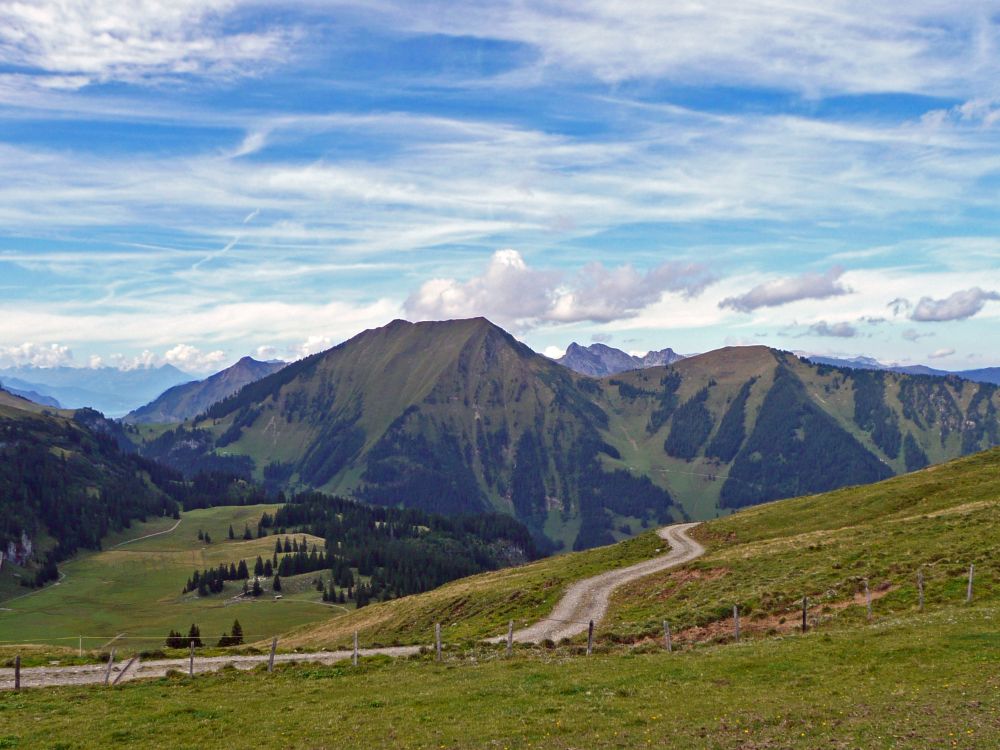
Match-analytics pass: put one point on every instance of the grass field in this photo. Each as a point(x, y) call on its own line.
point(939, 521)
point(913, 682)
point(478, 606)
point(135, 589)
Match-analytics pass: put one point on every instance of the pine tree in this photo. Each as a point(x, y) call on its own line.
point(231, 534)
point(194, 636)
point(246, 532)
point(277, 546)
point(237, 633)
point(276, 584)
point(288, 545)
point(258, 567)
point(241, 570)
point(268, 569)
point(201, 535)
point(256, 591)
point(208, 539)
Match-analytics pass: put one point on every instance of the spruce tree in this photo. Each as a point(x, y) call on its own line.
point(241, 570)
point(194, 636)
point(276, 584)
point(256, 591)
point(237, 633)
point(208, 539)
point(246, 532)
point(258, 567)
point(231, 534)
point(277, 546)
point(201, 535)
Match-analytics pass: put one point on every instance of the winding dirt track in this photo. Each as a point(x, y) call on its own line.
point(588, 599)
point(584, 601)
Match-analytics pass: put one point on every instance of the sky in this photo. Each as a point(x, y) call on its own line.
point(196, 180)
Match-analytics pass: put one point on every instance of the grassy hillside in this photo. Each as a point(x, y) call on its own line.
point(135, 589)
point(940, 520)
point(920, 682)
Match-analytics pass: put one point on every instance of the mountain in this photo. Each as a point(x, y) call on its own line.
point(191, 399)
point(598, 360)
point(459, 417)
point(453, 417)
point(33, 396)
point(981, 375)
point(109, 390)
point(65, 483)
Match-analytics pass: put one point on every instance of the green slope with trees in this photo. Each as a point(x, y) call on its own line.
point(459, 417)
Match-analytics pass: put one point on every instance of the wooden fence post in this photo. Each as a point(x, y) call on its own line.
point(590, 638)
point(270, 658)
point(736, 621)
point(81, 647)
point(124, 670)
point(111, 663)
point(191, 659)
point(868, 600)
point(437, 640)
point(510, 637)
point(354, 655)
point(17, 672)
point(805, 614)
point(666, 636)
point(968, 591)
point(920, 589)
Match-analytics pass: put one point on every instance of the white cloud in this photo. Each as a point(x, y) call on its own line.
point(957, 306)
point(192, 359)
point(940, 353)
point(512, 293)
point(101, 40)
point(35, 355)
point(553, 352)
point(836, 330)
point(911, 334)
point(791, 289)
point(839, 46)
point(266, 353)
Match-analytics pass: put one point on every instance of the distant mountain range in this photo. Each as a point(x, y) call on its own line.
point(459, 417)
point(111, 391)
point(191, 399)
point(598, 360)
point(982, 375)
point(32, 396)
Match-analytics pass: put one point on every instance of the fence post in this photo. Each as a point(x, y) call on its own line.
point(17, 672)
point(736, 621)
point(805, 613)
point(666, 636)
point(968, 591)
point(124, 670)
point(510, 637)
point(868, 600)
point(81, 646)
point(920, 589)
point(354, 655)
point(590, 638)
point(437, 640)
point(111, 663)
point(270, 658)
point(191, 659)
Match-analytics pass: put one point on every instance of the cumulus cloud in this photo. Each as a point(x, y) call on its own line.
point(789, 289)
point(940, 353)
point(266, 352)
point(958, 306)
point(192, 359)
point(35, 355)
point(838, 330)
point(511, 292)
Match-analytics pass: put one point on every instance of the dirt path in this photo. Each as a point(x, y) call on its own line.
point(584, 601)
point(91, 674)
point(588, 599)
point(147, 536)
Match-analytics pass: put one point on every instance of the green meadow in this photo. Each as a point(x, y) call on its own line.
point(131, 592)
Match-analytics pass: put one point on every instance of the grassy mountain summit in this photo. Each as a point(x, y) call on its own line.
point(458, 416)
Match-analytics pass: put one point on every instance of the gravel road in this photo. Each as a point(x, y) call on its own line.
point(584, 601)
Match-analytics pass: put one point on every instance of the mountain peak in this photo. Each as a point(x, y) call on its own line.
point(599, 360)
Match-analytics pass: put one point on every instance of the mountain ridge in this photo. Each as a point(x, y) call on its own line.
point(599, 360)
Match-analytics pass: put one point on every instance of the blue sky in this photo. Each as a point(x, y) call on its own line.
point(192, 181)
